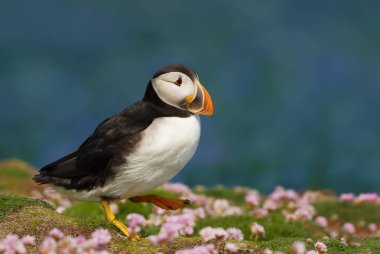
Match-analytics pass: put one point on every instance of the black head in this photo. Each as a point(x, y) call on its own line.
point(178, 86)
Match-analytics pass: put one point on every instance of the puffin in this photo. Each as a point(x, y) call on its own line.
point(138, 149)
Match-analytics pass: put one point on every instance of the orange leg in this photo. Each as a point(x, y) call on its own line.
point(111, 218)
point(161, 202)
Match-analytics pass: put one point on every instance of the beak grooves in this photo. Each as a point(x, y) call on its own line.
point(207, 106)
point(201, 103)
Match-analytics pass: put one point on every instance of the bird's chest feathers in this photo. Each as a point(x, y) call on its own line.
point(164, 149)
point(169, 140)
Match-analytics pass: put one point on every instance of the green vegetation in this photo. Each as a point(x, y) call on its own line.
point(14, 172)
point(23, 216)
point(84, 217)
point(274, 225)
point(13, 203)
point(233, 196)
point(351, 212)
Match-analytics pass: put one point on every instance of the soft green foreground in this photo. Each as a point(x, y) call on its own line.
point(85, 217)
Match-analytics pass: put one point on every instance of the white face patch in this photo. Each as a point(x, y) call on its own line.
point(173, 88)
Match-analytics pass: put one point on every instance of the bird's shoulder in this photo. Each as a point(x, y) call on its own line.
point(117, 134)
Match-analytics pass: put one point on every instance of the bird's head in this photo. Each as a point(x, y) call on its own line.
point(179, 86)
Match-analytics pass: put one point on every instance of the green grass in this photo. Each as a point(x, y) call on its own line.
point(13, 203)
point(274, 224)
point(349, 212)
point(334, 246)
point(14, 172)
point(233, 196)
point(279, 234)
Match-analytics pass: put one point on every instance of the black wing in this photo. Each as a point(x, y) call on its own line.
point(93, 163)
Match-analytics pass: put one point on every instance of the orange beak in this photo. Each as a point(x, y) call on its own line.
point(201, 102)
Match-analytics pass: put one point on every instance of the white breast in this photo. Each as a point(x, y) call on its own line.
point(165, 148)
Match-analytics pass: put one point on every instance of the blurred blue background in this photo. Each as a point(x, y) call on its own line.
point(295, 84)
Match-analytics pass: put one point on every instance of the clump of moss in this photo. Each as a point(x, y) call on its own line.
point(13, 203)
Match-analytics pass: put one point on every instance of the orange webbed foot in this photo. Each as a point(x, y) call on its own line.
point(162, 202)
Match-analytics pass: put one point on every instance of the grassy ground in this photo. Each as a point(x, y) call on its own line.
point(22, 216)
point(25, 216)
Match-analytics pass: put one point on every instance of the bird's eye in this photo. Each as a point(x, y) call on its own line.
point(178, 81)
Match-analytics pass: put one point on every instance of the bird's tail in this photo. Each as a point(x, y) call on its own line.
point(58, 172)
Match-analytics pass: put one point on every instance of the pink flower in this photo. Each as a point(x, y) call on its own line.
point(67, 244)
point(29, 240)
point(298, 248)
point(56, 234)
point(372, 227)
point(198, 213)
point(334, 233)
point(252, 199)
point(291, 195)
point(343, 240)
point(230, 248)
point(220, 233)
point(60, 209)
point(270, 205)
point(158, 210)
point(267, 251)
point(53, 198)
point(309, 197)
point(219, 206)
point(205, 249)
point(260, 213)
point(347, 197)
point(156, 240)
point(280, 193)
point(320, 247)
point(182, 219)
point(312, 252)
point(349, 228)
point(367, 197)
point(48, 246)
point(305, 213)
point(209, 233)
point(187, 231)
point(290, 217)
point(114, 207)
point(12, 244)
point(80, 239)
point(185, 222)
point(135, 221)
point(321, 221)
point(277, 193)
point(101, 237)
point(178, 188)
point(197, 199)
point(235, 234)
point(257, 230)
point(233, 210)
point(167, 232)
